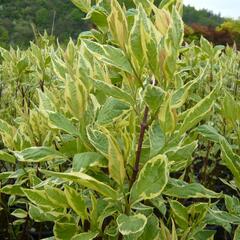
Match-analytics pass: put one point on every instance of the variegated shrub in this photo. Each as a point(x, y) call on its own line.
point(103, 138)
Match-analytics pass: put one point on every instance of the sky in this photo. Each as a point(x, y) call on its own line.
point(227, 8)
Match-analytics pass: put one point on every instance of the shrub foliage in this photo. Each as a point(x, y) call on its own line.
point(126, 134)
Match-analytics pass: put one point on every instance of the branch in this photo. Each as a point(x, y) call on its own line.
point(144, 127)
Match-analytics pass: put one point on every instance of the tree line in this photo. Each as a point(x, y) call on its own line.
point(21, 20)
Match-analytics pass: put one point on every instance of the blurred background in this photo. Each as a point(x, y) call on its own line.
point(22, 20)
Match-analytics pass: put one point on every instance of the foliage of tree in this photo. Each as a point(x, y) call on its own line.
point(59, 17)
point(202, 17)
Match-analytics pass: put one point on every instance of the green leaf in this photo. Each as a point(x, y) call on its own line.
point(112, 110)
point(38, 154)
point(118, 24)
point(85, 236)
point(209, 133)
point(176, 32)
point(206, 46)
point(156, 138)
point(204, 235)
point(153, 97)
point(128, 225)
point(76, 202)
point(147, 4)
point(214, 216)
point(231, 160)
point(39, 215)
point(180, 96)
point(199, 111)
point(83, 5)
point(137, 49)
point(151, 181)
point(56, 196)
point(167, 116)
point(237, 233)
point(180, 214)
point(98, 15)
point(232, 204)
point(230, 108)
point(4, 156)
point(64, 231)
point(111, 90)
point(84, 161)
point(116, 165)
point(5, 128)
point(38, 197)
point(109, 55)
point(76, 97)
point(86, 181)
point(180, 157)
point(98, 140)
point(58, 121)
point(19, 213)
point(5, 175)
point(151, 230)
point(15, 189)
point(45, 103)
point(180, 189)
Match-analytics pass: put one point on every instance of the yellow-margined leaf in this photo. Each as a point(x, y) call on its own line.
point(115, 161)
point(111, 90)
point(40, 215)
point(111, 111)
point(39, 198)
point(153, 97)
point(56, 196)
point(64, 231)
point(129, 225)
point(6, 157)
point(151, 230)
point(86, 181)
point(180, 189)
point(76, 202)
point(180, 96)
point(156, 138)
point(83, 5)
point(118, 24)
point(180, 214)
point(163, 20)
point(199, 111)
point(85, 236)
point(76, 97)
point(167, 116)
point(151, 181)
point(146, 4)
point(180, 157)
point(137, 42)
point(169, 4)
point(15, 189)
point(86, 160)
point(109, 55)
point(59, 121)
point(237, 233)
point(19, 213)
point(98, 140)
point(38, 154)
point(231, 160)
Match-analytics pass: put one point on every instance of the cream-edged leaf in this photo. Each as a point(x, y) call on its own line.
point(151, 181)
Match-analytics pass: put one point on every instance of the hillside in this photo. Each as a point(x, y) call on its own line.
point(202, 17)
point(63, 19)
point(16, 18)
